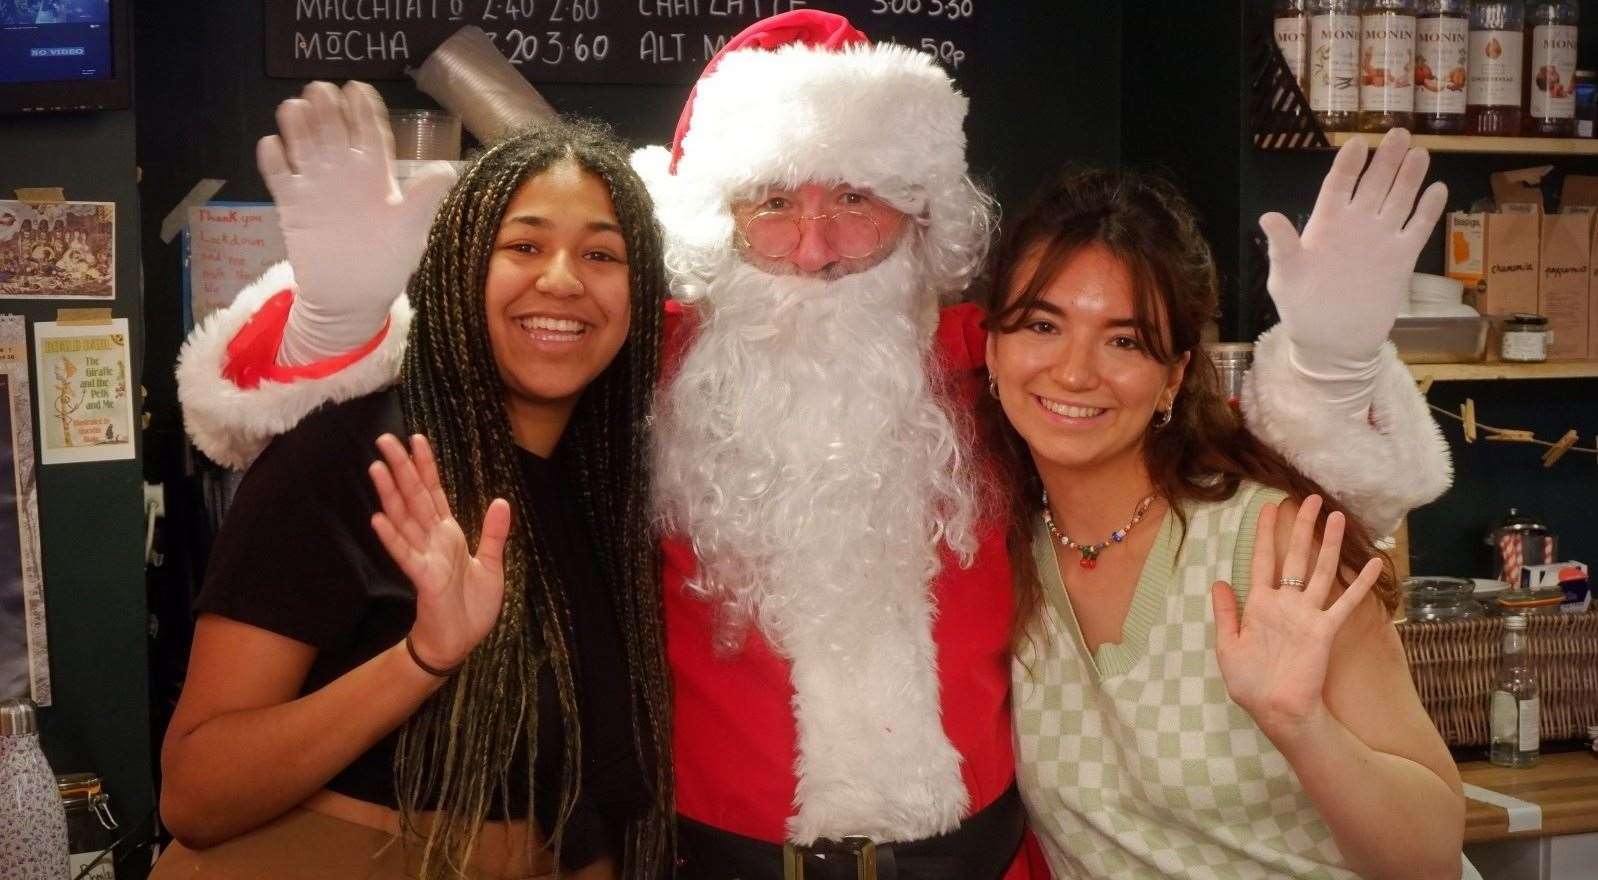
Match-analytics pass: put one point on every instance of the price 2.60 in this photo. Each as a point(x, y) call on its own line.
point(953, 10)
point(552, 47)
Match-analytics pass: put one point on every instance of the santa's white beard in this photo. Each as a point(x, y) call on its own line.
point(804, 451)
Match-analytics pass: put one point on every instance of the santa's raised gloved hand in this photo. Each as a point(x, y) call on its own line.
point(353, 234)
point(1341, 284)
point(1327, 387)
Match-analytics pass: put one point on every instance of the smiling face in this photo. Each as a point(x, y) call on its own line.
point(557, 295)
point(813, 254)
point(1073, 377)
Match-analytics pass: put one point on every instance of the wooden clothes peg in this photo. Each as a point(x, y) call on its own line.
point(1560, 448)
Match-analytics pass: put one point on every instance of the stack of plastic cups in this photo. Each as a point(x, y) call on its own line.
point(425, 134)
point(469, 77)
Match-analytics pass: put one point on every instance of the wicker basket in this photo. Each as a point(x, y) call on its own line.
point(1455, 662)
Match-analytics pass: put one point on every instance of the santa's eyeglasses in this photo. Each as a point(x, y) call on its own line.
point(774, 235)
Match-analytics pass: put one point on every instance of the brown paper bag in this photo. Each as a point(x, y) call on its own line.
point(1519, 187)
point(1512, 260)
point(1563, 278)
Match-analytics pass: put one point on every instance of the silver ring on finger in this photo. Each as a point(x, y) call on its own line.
point(1290, 582)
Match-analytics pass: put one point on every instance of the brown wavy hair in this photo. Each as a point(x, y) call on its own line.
point(1206, 451)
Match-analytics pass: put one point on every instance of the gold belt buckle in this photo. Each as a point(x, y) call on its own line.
point(862, 849)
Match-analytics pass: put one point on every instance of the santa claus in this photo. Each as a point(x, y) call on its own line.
point(838, 598)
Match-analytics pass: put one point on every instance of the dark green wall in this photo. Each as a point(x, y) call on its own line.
point(91, 515)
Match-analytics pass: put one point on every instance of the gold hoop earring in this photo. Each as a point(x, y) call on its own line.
point(1164, 417)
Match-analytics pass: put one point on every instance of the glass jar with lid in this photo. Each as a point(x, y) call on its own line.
point(90, 826)
point(1526, 339)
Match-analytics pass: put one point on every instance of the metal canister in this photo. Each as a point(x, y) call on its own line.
point(32, 822)
point(1232, 361)
point(1518, 540)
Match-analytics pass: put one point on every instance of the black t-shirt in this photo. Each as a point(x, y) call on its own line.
point(297, 556)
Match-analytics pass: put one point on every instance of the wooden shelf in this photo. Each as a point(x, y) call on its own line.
point(1565, 786)
point(1450, 143)
point(1483, 372)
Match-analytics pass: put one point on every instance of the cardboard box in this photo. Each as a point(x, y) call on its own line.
point(1565, 260)
point(1465, 246)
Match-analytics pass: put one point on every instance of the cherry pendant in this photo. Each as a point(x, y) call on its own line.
point(1088, 562)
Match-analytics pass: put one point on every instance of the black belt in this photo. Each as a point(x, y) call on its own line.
point(982, 848)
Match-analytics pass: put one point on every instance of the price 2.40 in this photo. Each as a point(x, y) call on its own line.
point(552, 47)
point(953, 10)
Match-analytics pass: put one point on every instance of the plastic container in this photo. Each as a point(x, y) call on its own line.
point(1437, 296)
point(425, 134)
point(1445, 339)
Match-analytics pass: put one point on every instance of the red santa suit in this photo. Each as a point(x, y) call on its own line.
point(733, 725)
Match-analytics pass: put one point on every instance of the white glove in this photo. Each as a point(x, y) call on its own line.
point(1340, 286)
point(353, 235)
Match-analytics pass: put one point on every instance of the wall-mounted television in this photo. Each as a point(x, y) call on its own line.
point(65, 56)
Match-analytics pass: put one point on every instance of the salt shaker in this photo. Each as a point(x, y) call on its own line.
point(34, 846)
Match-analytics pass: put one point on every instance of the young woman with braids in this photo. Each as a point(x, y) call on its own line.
point(354, 677)
point(1161, 733)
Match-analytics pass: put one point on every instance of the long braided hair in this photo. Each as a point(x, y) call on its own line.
point(456, 751)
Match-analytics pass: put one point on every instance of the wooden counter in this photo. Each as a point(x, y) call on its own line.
point(1564, 785)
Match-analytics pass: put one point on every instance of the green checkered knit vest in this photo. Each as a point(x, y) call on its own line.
point(1132, 760)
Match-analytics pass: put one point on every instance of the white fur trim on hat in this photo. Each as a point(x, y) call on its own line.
point(231, 425)
point(1379, 471)
point(883, 117)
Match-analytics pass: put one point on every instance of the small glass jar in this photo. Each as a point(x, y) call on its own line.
point(1440, 598)
point(1525, 339)
point(1232, 362)
point(90, 826)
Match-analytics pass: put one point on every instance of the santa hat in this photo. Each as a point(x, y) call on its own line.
point(804, 97)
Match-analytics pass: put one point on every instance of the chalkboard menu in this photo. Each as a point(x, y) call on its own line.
point(609, 41)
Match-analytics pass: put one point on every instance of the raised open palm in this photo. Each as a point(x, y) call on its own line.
point(1274, 659)
point(458, 593)
point(1340, 285)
